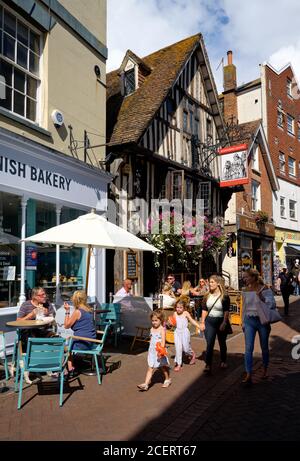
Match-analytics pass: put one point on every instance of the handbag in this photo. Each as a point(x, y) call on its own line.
point(267, 315)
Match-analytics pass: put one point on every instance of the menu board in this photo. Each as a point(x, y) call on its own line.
point(131, 265)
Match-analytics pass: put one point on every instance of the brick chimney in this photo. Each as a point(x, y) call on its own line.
point(230, 98)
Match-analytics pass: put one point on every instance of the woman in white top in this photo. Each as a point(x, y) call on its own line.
point(215, 315)
point(254, 293)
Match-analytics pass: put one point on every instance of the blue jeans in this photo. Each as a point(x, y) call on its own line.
point(251, 326)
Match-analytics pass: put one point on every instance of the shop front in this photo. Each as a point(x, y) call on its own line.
point(255, 248)
point(287, 247)
point(41, 188)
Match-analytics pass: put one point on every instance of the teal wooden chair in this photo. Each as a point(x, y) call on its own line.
point(42, 355)
point(96, 349)
point(113, 316)
point(3, 354)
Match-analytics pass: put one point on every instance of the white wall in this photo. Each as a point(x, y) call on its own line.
point(290, 192)
point(248, 109)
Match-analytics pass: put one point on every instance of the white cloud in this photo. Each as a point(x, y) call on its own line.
point(255, 31)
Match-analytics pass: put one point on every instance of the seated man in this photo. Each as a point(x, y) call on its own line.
point(126, 288)
point(28, 311)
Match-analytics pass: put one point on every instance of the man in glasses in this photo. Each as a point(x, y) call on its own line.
point(176, 287)
point(28, 311)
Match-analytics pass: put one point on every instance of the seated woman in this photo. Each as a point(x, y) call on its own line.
point(81, 322)
point(168, 299)
point(199, 292)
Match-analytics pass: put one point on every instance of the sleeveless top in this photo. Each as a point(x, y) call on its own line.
point(181, 322)
point(85, 325)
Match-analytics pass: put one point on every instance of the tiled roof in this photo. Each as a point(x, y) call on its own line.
point(245, 133)
point(128, 117)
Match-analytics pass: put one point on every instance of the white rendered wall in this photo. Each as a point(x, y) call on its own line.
point(249, 105)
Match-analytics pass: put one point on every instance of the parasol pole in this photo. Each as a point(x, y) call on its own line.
point(88, 268)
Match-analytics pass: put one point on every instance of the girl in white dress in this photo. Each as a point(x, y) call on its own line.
point(156, 359)
point(182, 334)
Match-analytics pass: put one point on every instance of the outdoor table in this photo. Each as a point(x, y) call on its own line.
point(21, 324)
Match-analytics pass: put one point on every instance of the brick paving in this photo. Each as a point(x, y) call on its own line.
point(196, 407)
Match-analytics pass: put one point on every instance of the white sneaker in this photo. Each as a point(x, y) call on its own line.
point(167, 383)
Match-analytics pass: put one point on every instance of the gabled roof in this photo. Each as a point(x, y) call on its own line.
point(129, 117)
point(254, 133)
point(134, 57)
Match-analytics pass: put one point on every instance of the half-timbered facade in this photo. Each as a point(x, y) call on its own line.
point(159, 110)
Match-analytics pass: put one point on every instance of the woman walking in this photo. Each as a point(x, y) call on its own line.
point(214, 321)
point(254, 293)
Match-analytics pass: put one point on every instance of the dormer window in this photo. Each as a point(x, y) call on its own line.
point(129, 81)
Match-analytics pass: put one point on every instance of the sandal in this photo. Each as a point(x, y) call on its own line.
point(177, 368)
point(207, 369)
point(223, 365)
point(167, 383)
point(143, 387)
point(247, 381)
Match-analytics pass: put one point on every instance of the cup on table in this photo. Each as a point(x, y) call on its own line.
point(40, 313)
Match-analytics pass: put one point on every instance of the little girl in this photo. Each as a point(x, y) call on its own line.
point(182, 334)
point(155, 360)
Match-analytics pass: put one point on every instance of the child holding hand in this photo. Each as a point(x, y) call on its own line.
point(157, 357)
point(182, 336)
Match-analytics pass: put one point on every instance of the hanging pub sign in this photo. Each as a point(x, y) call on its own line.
point(233, 165)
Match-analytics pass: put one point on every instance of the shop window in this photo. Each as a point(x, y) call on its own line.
point(204, 193)
point(10, 249)
point(19, 65)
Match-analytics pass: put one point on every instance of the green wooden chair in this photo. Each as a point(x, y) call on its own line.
point(96, 349)
point(42, 355)
point(3, 354)
point(113, 317)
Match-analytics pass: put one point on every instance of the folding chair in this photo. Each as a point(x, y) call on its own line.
point(113, 316)
point(142, 335)
point(42, 355)
point(95, 351)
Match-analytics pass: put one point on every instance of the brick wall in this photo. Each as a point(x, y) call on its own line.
point(279, 139)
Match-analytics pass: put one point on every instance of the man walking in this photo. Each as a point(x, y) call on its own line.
point(286, 288)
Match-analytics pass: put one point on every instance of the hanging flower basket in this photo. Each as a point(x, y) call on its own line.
point(261, 217)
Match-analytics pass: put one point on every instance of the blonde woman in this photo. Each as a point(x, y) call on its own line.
point(81, 322)
point(215, 315)
point(254, 293)
point(169, 299)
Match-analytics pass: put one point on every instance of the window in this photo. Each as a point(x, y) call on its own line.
point(255, 195)
point(129, 82)
point(279, 118)
point(289, 87)
point(188, 188)
point(282, 207)
point(292, 167)
point(185, 120)
point(282, 162)
point(177, 184)
point(290, 124)
point(204, 194)
point(292, 209)
point(209, 132)
point(19, 66)
point(255, 163)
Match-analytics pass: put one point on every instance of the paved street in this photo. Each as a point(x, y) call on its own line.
point(196, 407)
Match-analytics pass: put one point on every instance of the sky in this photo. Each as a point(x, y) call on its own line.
point(256, 31)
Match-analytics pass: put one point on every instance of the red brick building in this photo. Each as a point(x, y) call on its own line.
point(251, 241)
